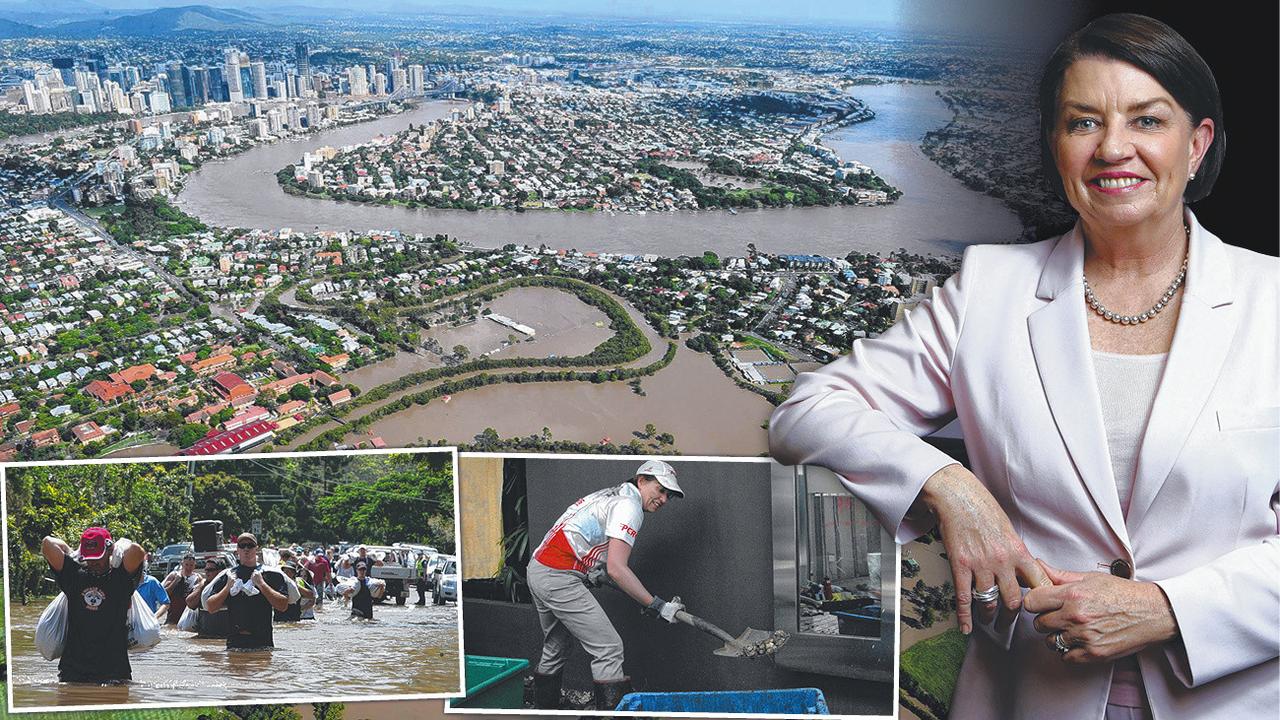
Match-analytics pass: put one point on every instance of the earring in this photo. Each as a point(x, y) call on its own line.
point(1192, 176)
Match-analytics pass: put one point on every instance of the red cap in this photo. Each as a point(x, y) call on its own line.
point(94, 543)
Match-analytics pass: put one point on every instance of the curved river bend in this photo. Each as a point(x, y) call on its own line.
point(936, 214)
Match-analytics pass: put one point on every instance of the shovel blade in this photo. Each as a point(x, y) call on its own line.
point(752, 643)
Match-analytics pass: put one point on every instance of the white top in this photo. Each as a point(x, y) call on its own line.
point(1127, 388)
point(580, 538)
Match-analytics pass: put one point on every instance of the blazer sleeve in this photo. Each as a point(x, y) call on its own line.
point(1226, 611)
point(862, 415)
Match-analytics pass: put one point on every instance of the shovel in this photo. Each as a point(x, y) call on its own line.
point(751, 643)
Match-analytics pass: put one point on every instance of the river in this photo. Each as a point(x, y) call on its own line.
point(937, 214)
point(406, 650)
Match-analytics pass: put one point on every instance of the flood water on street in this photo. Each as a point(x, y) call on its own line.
point(406, 650)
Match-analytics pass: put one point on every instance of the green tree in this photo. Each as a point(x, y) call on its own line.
point(187, 435)
point(300, 392)
point(219, 496)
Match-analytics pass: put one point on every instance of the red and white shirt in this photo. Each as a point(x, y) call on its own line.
point(579, 540)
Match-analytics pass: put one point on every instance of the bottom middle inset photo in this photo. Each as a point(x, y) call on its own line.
point(669, 585)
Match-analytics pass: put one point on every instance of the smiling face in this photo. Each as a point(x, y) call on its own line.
point(652, 494)
point(1122, 145)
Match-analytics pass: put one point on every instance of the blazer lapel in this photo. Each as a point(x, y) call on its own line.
point(1060, 342)
point(1201, 341)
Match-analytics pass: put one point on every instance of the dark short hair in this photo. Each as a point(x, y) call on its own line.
point(1156, 49)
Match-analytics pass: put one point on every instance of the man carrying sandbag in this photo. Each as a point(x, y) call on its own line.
point(250, 592)
point(98, 600)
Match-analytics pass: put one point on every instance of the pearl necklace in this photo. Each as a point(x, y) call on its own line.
point(1164, 300)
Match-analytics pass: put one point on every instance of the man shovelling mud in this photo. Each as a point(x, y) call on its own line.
point(592, 541)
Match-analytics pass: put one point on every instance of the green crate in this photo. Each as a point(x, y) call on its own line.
point(494, 682)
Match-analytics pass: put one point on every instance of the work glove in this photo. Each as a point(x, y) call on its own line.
point(596, 577)
point(662, 609)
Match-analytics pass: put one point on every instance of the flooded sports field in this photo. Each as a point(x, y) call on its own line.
point(406, 650)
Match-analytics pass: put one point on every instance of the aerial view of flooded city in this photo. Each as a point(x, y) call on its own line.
point(246, 228)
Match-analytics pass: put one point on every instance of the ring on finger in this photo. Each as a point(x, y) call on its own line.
point(991, 594)
point(1058, 644)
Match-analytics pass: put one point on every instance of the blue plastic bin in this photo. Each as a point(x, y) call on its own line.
point(865, 622)
point(793, 701)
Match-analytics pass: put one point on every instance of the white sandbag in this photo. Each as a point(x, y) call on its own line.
point(345, 587)
point(291, 587)
point(144, 628)
point(51, 629)
point(189, 620)
point(377, 587)
point(118, 549)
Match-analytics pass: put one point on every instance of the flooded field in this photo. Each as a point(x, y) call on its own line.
point(691, 399)
point(405, 650)
point(564, 326)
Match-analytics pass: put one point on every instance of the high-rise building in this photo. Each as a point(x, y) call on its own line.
point(313, 115)
point(177, 90)
point(417, 79)
point(379, 84)
point(258, 70)
point(200, 86)
point(66, 68)
point(399, 80)
point(217, 84)
point(357, 80)
point(389, 69)
point(302, 58)
point(231, 75)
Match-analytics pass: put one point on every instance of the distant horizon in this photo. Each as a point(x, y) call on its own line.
point(1013, 21)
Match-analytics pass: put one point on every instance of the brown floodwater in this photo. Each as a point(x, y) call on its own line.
point(405, 650)
point(564, 326)
point(691, 399)
point(148, 450)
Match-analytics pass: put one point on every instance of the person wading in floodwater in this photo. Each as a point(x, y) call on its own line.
point(362, 599)
point(98, 601)
point(249, 595)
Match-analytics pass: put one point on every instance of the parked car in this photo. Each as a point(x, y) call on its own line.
point(168, 558)
point(449, 583)
point(444, 580)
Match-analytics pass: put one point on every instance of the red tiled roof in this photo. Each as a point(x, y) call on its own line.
point(225, 441)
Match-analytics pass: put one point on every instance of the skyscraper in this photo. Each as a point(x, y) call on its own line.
point(302, 58)
point(177, 90)
point(231, 75)
point(200, 86)
point(417, 79)
point(259, 72)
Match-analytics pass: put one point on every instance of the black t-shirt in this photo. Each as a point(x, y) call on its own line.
point(362, 601)
point(213, 625)
point(368, 563)
point(178, 593)
point(250, 617)
point(97, 648)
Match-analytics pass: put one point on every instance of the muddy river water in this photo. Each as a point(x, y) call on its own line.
point(406, 650)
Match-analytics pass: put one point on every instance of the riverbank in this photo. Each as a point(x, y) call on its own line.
point(936, 214)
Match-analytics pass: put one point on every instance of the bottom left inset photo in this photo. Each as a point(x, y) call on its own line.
point(293, 578)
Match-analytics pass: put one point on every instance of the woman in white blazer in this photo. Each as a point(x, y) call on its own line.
point(1118, 392)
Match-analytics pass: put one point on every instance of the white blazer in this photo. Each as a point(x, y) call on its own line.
point(1004, 346)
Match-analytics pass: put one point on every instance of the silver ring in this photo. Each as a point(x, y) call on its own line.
point(1060, 646)
point(991, 594)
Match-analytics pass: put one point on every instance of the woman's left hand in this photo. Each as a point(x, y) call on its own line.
point(1100, 616)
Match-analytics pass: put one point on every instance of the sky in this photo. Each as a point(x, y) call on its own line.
point(978, 17)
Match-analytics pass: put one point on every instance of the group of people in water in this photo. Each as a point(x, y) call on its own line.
point(238, 601)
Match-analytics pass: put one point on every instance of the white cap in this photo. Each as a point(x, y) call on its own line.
point(663, 473)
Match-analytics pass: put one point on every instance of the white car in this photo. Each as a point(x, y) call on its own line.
point(447, 586)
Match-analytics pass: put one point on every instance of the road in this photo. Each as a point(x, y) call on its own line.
point(59, 201)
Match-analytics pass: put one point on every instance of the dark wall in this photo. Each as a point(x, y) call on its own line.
point(713, 548)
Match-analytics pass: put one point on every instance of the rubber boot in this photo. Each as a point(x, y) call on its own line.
point(609, 694)
point(546, 691)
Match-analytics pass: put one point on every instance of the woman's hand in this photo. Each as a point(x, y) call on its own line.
point(1100, 616)
point(981, 544)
